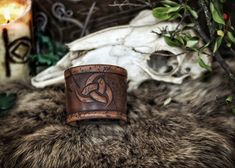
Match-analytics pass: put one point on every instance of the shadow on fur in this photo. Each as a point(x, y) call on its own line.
point(195, 131)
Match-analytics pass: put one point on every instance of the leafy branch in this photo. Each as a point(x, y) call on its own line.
point(49, 54)
point(221, 32)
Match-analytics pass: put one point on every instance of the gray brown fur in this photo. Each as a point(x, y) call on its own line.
point(197, 130)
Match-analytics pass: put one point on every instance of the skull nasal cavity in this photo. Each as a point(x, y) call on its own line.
point(163, 61)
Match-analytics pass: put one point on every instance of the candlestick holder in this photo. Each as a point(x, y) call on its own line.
point(96, 92)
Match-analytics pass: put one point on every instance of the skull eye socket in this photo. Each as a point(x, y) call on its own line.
point(163, 62)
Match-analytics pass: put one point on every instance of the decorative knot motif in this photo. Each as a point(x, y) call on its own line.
point(95, 90)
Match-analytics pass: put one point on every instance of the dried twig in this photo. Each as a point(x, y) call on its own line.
point(201, 32)
point(210, 25)
point(88, 19)
point(147, 2)
point(115, 17)
point(126, 4)
point(129, 4)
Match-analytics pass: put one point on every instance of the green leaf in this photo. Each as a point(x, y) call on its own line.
point(181, 40)
point(233, 110)
point(168, 2)
point(220, 33)
point(215, 14)
point(205, 46)
point(192, 42)
point(51, 53)
point(166, 13)
point(203, 64)
point(231, 37)
point(44, 39)
point(7, 101)
point(190, 25)
point(193, 12)
point(229, 45)
point(173, 9)
point(217, 44)
point(160, 13)
point(172, 42)
point(229, 100)
point(165, 5)
point(174, 16)
point(167, 101)
point(160, 10)
point(48, 59)
point(231, 26)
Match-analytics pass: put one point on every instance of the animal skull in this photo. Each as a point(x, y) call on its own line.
point(134, 47)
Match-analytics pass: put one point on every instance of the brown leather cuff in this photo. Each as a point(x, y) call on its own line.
point(96, 92)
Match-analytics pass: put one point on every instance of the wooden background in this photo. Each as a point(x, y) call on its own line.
point(64, 20)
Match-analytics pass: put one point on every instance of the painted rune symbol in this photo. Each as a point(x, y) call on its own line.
point(16, 51)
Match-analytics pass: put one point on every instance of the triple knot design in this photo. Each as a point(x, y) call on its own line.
point(95, 90)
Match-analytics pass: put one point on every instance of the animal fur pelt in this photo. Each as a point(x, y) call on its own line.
point(196, 130)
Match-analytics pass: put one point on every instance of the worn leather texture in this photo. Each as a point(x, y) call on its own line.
point(96, 92)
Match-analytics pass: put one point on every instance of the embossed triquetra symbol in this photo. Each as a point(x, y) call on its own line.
point(95, 90)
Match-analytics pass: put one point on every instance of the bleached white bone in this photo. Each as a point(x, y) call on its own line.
point(129, 46)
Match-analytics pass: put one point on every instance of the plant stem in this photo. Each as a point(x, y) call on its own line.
point(232, 51)
point(210, 25)
point(224, 65)
point(201, 32)
point(217, 55)
point(88, 19)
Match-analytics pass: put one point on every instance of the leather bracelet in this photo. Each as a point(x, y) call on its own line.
point(96, 92)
